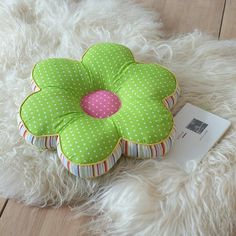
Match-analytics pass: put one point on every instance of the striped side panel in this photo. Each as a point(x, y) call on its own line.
point(147, 151)
point(90, 170)
point(48, 142)
point(172, 100)
point(34, 86)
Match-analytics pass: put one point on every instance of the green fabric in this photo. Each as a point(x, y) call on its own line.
point(55, 109)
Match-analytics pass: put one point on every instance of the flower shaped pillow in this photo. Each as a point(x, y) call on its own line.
point(94, 110)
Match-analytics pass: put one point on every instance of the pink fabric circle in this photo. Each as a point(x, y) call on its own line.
point(100, 104)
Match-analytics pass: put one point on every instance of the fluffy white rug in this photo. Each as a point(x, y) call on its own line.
point(137, 197)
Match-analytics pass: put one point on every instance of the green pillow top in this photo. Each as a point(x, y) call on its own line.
point(94, 110)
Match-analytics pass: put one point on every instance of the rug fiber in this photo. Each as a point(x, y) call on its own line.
point(136, 197)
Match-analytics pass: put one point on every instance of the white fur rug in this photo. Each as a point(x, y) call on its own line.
point(136, 198)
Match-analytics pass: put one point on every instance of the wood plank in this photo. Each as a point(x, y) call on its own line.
point(3, 202)
point(181, 16)
point(228, 29)
point(19, 219)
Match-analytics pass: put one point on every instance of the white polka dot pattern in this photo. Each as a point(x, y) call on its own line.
point(54, 117)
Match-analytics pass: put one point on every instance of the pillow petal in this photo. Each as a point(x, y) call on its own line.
point(49, 111)
point(144, 121)
point(105, 62)
point(144, 81)
point(89, 147)
point(62, 73)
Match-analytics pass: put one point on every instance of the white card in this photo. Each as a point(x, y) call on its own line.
point(197, 131)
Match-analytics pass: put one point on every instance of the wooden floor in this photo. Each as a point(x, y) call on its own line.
point(214, 16)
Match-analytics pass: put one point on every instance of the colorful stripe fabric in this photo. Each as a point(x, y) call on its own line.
point(172, 100)
point(124, 147)
point(90, 171)
point(48, 142)
point(34, 86)
point(148, 151)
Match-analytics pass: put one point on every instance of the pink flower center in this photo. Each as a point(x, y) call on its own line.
point(100, 104)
